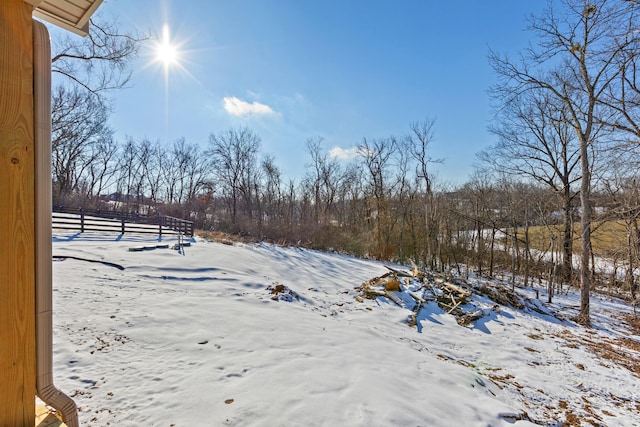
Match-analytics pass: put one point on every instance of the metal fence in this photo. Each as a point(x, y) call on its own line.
point(123, 222)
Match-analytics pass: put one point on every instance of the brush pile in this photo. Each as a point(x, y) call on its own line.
point(413, 290)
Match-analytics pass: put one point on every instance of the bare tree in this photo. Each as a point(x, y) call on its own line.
point(418, 142)
point(623, 97)
point(87, 69)
point(234, 155)
point(623, 193)
point(377, 156)
point(131, 179)
point(98, 62)
point(78, 122)
point(195, 174)
point(480, 194)
point(405, 202)
point(353, 196)
point(575, 61)
point(155, 157)
point(323, 180)
point(535, 140)
point(101, 168)
point(272, 193)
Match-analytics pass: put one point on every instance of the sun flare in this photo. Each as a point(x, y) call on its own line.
point(166, 52)
point(168, 55)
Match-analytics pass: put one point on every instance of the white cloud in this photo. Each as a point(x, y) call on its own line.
point(238, 107)
point(345, 153)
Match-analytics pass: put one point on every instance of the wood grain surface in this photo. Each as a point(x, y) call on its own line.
point(17, 275)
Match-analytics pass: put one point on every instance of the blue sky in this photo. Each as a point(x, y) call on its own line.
point(339, 69)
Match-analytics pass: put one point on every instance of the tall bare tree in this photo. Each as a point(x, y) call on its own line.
point(574, 59)
point(234, 155)
point(377, 157)
point(272, 193)
point(85, 70)
point(322, 179)
point(418, 144)
point(78, 123)
point(536, 141)
point(102, 166)
point(131, 180)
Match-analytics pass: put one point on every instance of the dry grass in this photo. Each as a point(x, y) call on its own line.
point(623, 351)
point(607, 237)
point(634, 323)
point(617, 351)
point(225, 238)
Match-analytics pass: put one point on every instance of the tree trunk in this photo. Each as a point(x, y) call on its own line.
point(633, 255)
point(567, 243)
point(585, 222)
point(493, 240)
point(527, 253)
point(480, 242)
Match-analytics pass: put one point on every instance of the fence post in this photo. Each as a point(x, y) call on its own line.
point(122, 222)
point(81, 221)
point(160, 225)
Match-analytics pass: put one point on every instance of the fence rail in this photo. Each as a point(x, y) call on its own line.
point(102, 220)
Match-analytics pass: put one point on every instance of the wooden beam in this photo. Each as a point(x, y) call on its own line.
point(17, 239)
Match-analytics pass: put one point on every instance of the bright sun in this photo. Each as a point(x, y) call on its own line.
point(170, 54)
point(166, 52)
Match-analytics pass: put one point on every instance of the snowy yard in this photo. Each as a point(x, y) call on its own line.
point(196, 339)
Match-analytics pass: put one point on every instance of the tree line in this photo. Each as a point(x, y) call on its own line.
point(565, 160)
point(384, 203)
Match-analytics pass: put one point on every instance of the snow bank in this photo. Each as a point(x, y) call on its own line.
point(198, 340)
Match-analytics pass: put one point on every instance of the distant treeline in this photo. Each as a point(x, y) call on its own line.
point(382, 203)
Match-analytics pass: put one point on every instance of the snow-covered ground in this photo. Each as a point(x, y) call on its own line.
point(197, 339)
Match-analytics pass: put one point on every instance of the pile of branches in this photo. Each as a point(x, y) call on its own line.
point(414, 289)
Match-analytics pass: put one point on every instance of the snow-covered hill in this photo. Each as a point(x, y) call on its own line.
point(200, 339)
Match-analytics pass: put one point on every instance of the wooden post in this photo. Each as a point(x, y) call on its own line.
point(17, 213)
